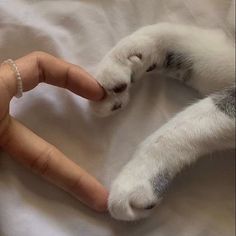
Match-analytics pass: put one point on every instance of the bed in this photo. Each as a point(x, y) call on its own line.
point(200, 202)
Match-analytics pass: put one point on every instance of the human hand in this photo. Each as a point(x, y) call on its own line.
point(32, 151)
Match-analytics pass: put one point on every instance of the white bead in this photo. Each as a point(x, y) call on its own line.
point(19, 83)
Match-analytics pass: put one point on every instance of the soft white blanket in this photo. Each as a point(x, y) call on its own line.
point(201, 199)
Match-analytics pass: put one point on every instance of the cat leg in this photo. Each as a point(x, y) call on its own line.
point(200, 58)
point(202, 128)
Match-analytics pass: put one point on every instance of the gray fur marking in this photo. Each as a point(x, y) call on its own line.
point(160, 183)
point(225, 101)
point(175, 62)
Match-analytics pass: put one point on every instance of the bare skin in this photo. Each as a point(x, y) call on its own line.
point(32, 151)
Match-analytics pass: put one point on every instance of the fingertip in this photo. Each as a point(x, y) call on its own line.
point(101, 205)
point(101, 94)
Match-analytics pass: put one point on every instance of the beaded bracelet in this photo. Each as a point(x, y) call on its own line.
point(19, 84)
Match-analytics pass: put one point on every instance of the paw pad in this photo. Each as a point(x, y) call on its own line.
point(139, 55)
point(149, 207)
point(152, 67)
point(116, 106)
point(119, 88)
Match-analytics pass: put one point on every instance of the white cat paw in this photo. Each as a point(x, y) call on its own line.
point(115, 79)
point(135, 197)
point(116, 73)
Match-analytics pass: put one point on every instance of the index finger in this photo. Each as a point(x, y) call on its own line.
point(40, 67)
point(46, 160)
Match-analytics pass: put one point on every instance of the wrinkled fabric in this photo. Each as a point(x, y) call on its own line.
point(200, 202)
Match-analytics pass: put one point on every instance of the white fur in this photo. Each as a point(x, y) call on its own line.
point(211, 51)
point(200, 129)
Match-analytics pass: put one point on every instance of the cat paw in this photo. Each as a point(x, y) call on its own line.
point(116, 75)
point(135, 197)
point(120, 68)
point(115, 79)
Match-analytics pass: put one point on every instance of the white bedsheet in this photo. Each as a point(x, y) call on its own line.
point(201, 199)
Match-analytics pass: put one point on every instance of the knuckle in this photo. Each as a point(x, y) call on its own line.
point(38, 57)
point(74, 186)
point(66, 78)
point(41, 163)
point(5, 125)
point(37, 54)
